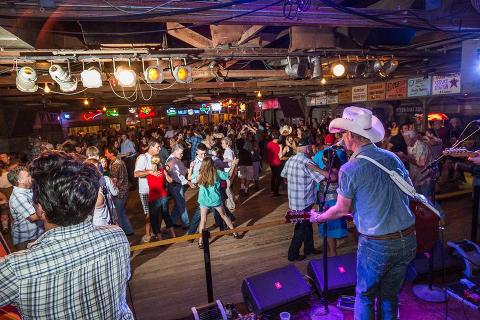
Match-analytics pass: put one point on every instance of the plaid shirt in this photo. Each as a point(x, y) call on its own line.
point(21, 207)
point(301, 181)
point(194, 142)
point(118, 170)
point(69, 273)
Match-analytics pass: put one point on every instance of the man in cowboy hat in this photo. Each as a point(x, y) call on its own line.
point(380, 211)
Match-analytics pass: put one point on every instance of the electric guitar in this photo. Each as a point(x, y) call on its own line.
point(459, 153)
point(294, 216)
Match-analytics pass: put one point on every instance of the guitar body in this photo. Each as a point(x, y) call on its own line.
point(426, 226)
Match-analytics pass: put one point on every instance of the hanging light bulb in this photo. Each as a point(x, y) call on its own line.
point(27, 80)
point(46, 89)
point(86, 102)
point(323, 81)
point(259, 94)
point(104, 109)
point(125, 76)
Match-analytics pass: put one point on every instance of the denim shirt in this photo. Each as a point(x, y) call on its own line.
point(378, 205)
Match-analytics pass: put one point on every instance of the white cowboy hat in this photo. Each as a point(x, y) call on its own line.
point(286, 128)
point(359, 121)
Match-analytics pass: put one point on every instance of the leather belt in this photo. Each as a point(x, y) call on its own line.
point(393, 235)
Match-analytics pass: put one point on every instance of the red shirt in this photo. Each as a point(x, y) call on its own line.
point(273, 149)
point(156, 186)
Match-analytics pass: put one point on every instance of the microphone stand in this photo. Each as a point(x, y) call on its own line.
point(328, 312)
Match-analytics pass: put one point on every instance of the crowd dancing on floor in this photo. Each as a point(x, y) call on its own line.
point(162, 162)
point(62, 198)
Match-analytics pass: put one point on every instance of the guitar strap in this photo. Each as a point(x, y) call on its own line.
point(403, 184)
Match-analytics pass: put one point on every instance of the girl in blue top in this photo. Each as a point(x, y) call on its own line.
point(209, 196)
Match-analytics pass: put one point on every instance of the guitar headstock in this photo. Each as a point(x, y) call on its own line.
point(459, 153)
point(294, 216)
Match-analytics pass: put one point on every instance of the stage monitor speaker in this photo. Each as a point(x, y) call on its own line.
point(267, 291)
point(342, 272)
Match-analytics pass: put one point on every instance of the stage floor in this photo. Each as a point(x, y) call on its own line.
point(168, 281)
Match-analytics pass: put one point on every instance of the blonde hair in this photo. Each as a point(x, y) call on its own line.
point(227, 141)
point(208, 173)
point(156, 162)
point(92, 152)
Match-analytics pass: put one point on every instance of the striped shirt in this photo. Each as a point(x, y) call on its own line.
point(21, 207)
point(301, 180)
point(69, 273)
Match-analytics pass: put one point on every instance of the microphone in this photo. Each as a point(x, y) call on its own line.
point(340, 144)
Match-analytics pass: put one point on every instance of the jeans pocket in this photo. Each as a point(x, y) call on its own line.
point(377, 261)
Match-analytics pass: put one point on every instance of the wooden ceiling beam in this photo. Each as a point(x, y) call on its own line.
point(250, 33)
point(188, 36)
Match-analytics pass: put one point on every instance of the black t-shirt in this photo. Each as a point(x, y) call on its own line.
point(398, 143)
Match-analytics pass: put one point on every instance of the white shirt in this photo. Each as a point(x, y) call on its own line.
point(144, 162)
point(228, 157)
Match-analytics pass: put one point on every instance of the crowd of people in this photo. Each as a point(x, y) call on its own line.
point(77, 191)
point(161, 162)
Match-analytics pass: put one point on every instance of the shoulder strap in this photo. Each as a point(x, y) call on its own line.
point(403, 185)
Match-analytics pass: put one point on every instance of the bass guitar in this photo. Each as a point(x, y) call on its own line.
point(459, 153)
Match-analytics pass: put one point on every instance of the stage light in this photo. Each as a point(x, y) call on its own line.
point(125, 76)
point(183, 74)
point(317, 68)
point(63, 77)
point(339, 69)
point(388, 68)
point(91, 78)
point(153, 74)
point(296, 70)
point(323, 81)
point(27, 80)
point(356, 69)
point(46, 89)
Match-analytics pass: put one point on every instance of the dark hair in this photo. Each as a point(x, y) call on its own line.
point(12, 175)
point(201, 147)
point(151, 143)
point(47, 160)
point(275, 135)
point(111, 150)
point(67, 191)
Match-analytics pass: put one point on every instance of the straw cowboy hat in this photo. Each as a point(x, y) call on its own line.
point(286, 128)
point(359, 121)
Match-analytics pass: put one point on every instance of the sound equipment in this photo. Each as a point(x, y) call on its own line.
point(420, 266)
point(342, 272)
point(467, 291)
point(282, 287)
point(211, 311)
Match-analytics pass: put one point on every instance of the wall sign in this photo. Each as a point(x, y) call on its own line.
point(396, 89)
point(270, 104)
point(112, 113)
point(376, 91)
point(319, 99)
point(216, 107)
point(204, 109)
point(171, 112)
point(345, 95)
point(332, 97)
point(91, 115)
point(419, 87)
point(446, 84)
point(359, 93)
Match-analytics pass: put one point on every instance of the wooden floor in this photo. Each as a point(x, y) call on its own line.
point(167, 282)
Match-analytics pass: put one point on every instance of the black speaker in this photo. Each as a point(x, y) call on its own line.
point(342, 272)
point(276, 288)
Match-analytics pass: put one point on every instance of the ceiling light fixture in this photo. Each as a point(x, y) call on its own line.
point(153, 74)
point(388, 68)
point(63, 77)
point(26, 79)
point(91, 78)
point(182, 74)
point(296, 70)
point(125, 76)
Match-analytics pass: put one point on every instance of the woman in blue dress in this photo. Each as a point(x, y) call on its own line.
point(336, 229)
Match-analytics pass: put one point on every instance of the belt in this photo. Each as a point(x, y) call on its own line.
point(393, 235)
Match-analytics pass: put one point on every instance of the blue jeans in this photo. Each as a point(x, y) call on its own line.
point(159, 208)
point(123, 220)
point(381, 268)
point(178, 195)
